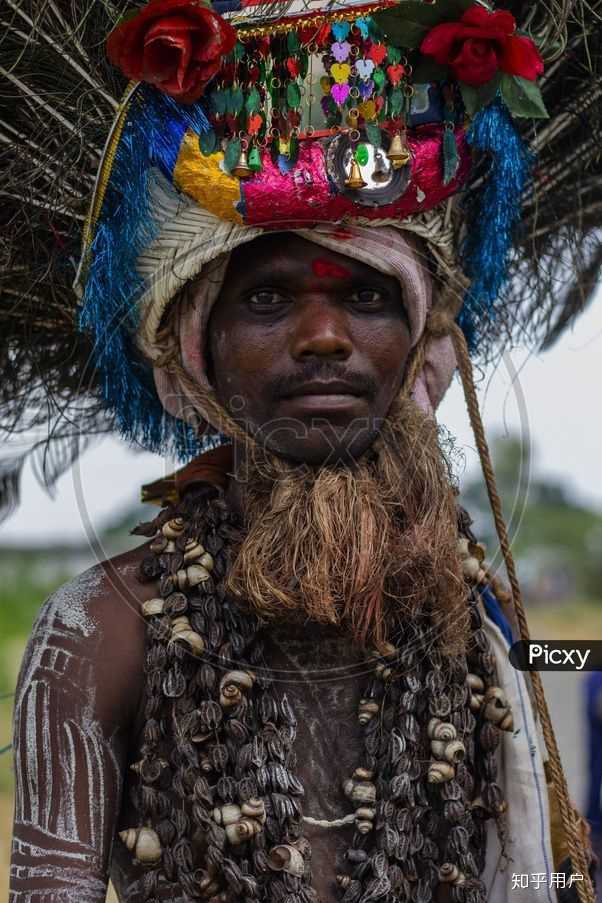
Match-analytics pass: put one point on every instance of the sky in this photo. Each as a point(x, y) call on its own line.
point(552, 401)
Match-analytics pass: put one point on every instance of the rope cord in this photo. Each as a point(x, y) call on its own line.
point(570, 817)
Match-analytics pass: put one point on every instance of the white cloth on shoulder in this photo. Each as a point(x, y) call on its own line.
point(522, 780)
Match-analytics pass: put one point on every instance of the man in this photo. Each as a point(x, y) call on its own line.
point(299, 687)
point(351, 542)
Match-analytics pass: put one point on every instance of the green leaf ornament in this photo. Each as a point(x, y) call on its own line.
point(523, 97)
point(232, 154)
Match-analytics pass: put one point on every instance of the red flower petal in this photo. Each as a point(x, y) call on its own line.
point(476, 63)
point(521, 57)
point(160, 62)
point(439, 42)
point(165, 42)
point(479, 17)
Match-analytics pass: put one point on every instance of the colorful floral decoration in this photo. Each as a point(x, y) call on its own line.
point(176, 45)
point(482, 44)
point(369, 112)
point(371, 62)
point(476, 47)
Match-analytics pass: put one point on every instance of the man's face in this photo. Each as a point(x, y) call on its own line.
point(307, 347)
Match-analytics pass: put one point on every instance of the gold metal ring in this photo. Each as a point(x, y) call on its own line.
point(354, 135)
point(309, 131)
point(275, 82)
point(354, 92)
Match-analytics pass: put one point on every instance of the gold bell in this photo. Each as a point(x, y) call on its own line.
point(354, 179)
point(381, 172)
point(242, 169)
point(398, 153)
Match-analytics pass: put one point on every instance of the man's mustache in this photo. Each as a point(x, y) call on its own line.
point(289, 383)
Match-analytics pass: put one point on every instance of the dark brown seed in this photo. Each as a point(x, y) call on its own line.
point(152, 732)
point(232, 874)
point(218, 756)
point(295, 786)
point(451, 790)
point(353, 893)
point(226, 789)
point(458, 839)
point(150, 568)
point(259, 754)
point(247, 789)
point(236, 731)
point(260, 860)
point(390, 840)
point(440, 706)
point(379, 864)
point(403, 820)
point(210, 714)
point(176, 604)
point(423, 891)
point(376, 889)
point(216, 634)
point(150, 770)
point(166, 586)
point(174, 684)
point(430, 849)
point(401, 788)
point(210, 608)
point(453, 810)
point(206, 678)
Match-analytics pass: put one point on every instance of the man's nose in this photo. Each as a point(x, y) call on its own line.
point(321, 330)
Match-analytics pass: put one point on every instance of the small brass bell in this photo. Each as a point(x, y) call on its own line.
point(354, 179)
point(242, 169)
point(398, 153)
point(381, 172)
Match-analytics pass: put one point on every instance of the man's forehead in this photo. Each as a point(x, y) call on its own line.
point(289, 253)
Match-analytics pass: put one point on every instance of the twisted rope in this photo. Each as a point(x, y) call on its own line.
point(570, 817)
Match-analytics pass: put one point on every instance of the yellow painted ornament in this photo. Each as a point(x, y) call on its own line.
point(340, 72)
point(367, 109)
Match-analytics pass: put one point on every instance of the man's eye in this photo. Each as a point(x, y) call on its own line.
point(266, 298)
point(368, 296)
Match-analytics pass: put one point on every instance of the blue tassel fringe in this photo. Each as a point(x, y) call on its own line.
point(151, 137)
point(492, 216)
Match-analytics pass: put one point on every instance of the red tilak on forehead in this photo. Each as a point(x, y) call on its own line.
point(324, 268)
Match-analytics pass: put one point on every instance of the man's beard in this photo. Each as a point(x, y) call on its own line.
point(358, 545)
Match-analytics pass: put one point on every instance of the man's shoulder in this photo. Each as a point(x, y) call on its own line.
point(106, 594)
point(90, 632)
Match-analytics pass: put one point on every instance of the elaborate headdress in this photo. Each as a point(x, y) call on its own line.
point(477, 129)
point(240, 117)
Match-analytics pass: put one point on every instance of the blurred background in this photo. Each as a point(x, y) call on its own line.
point(542, 417)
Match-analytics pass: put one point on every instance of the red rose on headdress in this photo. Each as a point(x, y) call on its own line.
point(176, 45)
point(480, 44)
